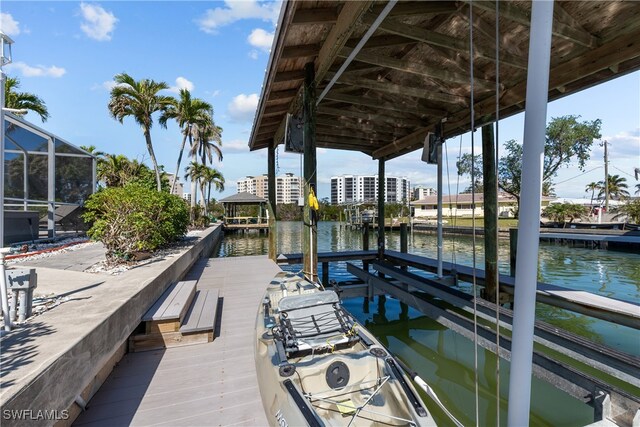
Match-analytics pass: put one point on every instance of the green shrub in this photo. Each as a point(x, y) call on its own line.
point(134, 218)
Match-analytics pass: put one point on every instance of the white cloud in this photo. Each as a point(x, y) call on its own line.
point(97, 24)
point(235, 10)
point(235, 146)
point(182, 83)
point(260, 39)
point(9, 26)
point(253, 54)
point(37, 71)
point(243, 107)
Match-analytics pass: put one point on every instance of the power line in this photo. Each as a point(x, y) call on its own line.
point(578, 176)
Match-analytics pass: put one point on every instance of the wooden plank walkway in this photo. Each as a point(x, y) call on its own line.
point(211, 384)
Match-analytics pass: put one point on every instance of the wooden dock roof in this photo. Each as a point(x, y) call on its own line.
point(414, 71)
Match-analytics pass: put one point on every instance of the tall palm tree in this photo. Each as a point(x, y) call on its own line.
point(188, 112)
point(592, 186)
point(617, 187)
point(139, 99)
point(207, 137)
point(23, 100)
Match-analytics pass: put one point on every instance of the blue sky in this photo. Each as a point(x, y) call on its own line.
point(68, 52)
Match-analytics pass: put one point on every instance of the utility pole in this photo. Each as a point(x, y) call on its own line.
point(606, 178)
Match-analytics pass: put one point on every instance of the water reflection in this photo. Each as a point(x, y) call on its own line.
point(444, 358)
point(608, 273)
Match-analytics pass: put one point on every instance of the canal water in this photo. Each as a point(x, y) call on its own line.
point(444, 358)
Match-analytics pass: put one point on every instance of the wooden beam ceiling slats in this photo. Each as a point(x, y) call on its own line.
point(460, 45)
point(359, 100)
point(396, 89)
point(282, 94)
point(287, 76)
point(339, 34)
point(418, 69)
point(364, 143)
point(516, 14)
point(401, 143)
point(419, 8)
point(325, 15)
point(338, 112)
point(352, 11)
point(373, 135)
point(343, 145)
point(300, 51)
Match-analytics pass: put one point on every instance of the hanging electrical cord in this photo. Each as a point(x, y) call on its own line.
point(496, 189)
point(473, 216)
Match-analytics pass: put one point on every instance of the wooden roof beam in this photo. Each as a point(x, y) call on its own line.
point(391, 128)
point(354, 133)
point(436, 39)
point(419, 8)
point(384, 118)
point(402, 143)
point(324, 15)
point(419, 69)
point(300, 51)
point(350, 14)
point(515, 13)
point(369, 142)
point(344, 145)
point(377, 104)
point(282, 94)
point(395, 89)
point(287, 76)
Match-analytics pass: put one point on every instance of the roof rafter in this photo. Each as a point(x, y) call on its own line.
point(415, 68)
point(516, 14)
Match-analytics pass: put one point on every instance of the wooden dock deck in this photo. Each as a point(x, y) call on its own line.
point(206, 384)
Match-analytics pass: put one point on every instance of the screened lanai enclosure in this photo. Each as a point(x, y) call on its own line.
point(46, 181)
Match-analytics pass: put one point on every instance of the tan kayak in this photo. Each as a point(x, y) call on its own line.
point(316, 366)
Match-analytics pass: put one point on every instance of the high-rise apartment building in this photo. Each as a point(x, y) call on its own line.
point(288, 187)
point(421, 192)
point(364, 188)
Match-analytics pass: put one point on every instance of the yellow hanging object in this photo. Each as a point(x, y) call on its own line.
point(313, 202)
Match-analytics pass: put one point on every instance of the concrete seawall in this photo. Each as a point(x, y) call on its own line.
point(58, 361)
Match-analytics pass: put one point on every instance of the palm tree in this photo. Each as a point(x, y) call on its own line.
point(206, 141)
point(23, 100)
point(188, 112)
point(617, 187)
point(139, 99)
point(592, 186)
point(637, 188)
point(114, 170)
point(198, 174)
point(213, 177)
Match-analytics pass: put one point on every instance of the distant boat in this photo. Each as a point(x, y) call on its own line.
point(316, 366)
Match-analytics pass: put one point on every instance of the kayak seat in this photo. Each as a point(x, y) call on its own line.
point(314, 322)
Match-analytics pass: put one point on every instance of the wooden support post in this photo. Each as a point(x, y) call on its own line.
point(325, 273)
point(271, 206)
point(271, 175)
point(490, 189)
point(381, 185)
point(404, 247)
point(365, 243)
point(513, 250)
point(310, 240)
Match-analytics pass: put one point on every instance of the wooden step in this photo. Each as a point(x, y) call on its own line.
point(158, 341)
point(202, 313)
point(168, 312)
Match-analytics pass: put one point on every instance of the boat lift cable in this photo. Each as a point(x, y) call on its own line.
point(497, 152)
point(430, 392)
point(473, 215)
